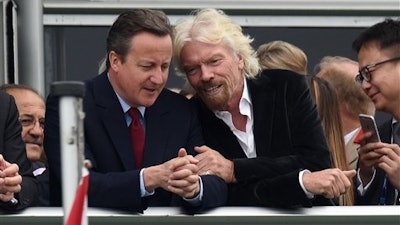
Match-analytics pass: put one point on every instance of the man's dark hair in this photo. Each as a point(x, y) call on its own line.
point(385, 33)
point(132, 22)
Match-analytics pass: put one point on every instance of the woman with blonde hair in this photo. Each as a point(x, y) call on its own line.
point(282, 55)
point(327, 104)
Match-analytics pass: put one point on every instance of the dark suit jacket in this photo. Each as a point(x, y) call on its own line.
point(171, 123)
point(372, 195)
point(43, 180)
point(13, 150)
point(288, 137)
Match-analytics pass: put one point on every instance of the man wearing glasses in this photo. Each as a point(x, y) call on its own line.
point(31, 107)
point(378, 50)
point(18, 187)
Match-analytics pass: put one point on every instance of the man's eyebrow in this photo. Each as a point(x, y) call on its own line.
point(27, 115)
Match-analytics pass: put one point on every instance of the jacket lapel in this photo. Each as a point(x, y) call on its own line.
point(113, 119)
point(158, 130)
point(263, 98)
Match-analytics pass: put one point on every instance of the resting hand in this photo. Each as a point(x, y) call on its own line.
point(212, 162)
point(330, 183)
point(10, 180)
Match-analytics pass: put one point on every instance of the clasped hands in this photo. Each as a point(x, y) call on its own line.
point(178, 175)
point(10, 180)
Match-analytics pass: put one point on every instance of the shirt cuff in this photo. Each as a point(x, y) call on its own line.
point(197, 199)
point(143, 191)
point(361, 189)
point(308, 194)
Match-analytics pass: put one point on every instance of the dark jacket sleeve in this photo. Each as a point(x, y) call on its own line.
point(13, 150)
point(215, 194)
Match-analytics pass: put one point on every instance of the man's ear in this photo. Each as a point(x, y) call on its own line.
point(115, 60)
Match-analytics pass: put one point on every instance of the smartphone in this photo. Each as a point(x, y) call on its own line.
point(368, 124)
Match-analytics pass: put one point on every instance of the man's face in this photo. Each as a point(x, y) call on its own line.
point(384, 85)
point(215, 72)
point(31, 109)
point(140, 78)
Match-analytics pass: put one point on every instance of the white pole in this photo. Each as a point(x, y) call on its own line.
point(69, 152)
point(71, 139)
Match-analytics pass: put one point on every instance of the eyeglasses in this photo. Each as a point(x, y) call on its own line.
point(29, 121)
point(365, 72)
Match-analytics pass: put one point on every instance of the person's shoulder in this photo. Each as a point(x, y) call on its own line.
point(100, 78)
point(170, 97)
point(279, 74)
point(4, 96)
point(172, 102)
point(7, 102)
point(278, 77)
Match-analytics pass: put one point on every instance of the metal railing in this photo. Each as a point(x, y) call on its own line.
point(332, 215)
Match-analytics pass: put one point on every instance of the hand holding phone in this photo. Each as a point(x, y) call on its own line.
point(368, 124)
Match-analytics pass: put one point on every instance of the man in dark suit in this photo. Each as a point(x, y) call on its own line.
point(18, 186)
point(31, 107)
point(378, 49)
point(264, 127)
point(139, 51)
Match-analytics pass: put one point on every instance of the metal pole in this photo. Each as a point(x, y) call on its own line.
point(71, 138)
point(30, 44)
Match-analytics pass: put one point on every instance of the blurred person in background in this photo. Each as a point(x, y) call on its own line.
point(18, 186)
point(282, 55)
point(326, 100)
point(32, 108)
point(340, 72)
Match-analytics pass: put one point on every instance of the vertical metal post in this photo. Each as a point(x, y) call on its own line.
point(30, 44)
point(71, 138)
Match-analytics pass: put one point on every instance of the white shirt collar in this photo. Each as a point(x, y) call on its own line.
point(245, 139)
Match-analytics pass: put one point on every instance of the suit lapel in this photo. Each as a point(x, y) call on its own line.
point(158, 130)
point(263, 98)
point(385, 131)
point(113, 119)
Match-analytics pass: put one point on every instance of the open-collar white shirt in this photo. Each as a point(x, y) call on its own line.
point(246, 139)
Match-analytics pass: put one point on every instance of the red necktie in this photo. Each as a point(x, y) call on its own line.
point(137, 136)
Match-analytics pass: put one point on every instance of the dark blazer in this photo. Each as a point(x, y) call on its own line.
point(171, 123)
point(13, 150)
point(43, 179)
point(288, 137)
point(372, 195)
